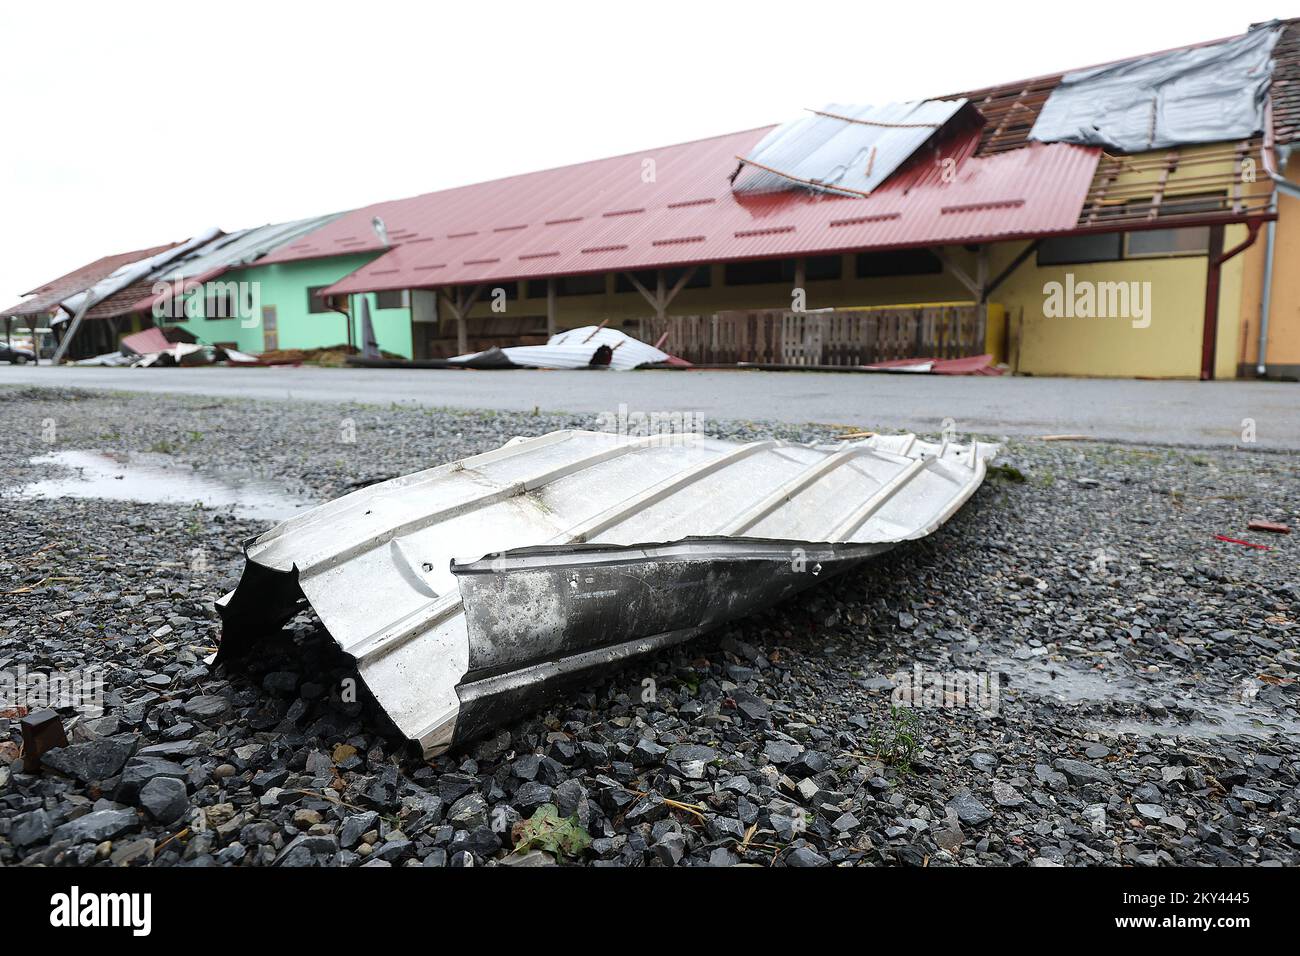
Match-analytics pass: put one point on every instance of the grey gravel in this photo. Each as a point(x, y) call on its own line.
point(1147, 710)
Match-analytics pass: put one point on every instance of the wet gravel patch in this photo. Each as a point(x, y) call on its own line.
point(1096, 678)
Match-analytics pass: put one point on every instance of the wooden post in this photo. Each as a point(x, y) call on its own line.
point(550, 308)
point(661, 296)
point(1210, 330)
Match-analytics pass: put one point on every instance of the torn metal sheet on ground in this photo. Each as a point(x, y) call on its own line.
point(471, 592)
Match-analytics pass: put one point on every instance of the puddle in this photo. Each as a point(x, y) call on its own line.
point(1220, 716)
point(156, 479)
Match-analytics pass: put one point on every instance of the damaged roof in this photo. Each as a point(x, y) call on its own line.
point(46, 298)
point(222, 254)
point(605, 216)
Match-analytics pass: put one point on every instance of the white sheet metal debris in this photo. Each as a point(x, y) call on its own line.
point(472, 592)
point(842, 148)
point(590, 346)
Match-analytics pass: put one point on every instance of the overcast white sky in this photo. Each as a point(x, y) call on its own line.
point(124, 125)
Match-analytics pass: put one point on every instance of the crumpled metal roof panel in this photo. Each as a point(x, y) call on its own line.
point(467, 589)
point(843, 147)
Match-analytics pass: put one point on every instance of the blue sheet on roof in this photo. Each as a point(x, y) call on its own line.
point(1206, 94)
point(842, 148)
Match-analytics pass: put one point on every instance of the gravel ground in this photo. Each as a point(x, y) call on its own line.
point(1146, 707)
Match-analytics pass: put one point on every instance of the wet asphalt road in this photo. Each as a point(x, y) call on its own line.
point(1124, 410)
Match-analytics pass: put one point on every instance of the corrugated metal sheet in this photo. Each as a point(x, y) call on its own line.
point(1211, 93)
point(469, 592)
point(841, 147)
point(227, 252)
point(604, 216)
point(47, 297)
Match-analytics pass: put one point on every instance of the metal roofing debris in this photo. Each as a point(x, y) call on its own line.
point(47, 297)
point(1203, 94)
point(225, 252)
point(589, 346)
point(842, 148)
point(469, 592)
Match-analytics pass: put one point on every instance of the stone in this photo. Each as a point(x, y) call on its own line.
point(804, 856)
point(969, 810)
point(93, 760)
point(165, 799)
point(29, 828)
point(355, 826)
point(98, 826)
point(1082, 774)
point(781, 751)
point(670, 848)
point(469, 811)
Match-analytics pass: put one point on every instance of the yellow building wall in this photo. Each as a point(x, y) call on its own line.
point(1282, 350)
point(1018, 330)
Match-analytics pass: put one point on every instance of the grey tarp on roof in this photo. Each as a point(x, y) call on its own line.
point(1206, 94)
point(845, 147)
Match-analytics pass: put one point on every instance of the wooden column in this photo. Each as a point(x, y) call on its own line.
point(550, 308)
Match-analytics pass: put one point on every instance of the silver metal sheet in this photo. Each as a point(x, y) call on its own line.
point(842, 147)
point(1202, 94)
point(471, 592)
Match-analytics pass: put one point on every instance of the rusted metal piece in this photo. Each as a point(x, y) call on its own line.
point(1272, 527)
point(42, 732)
point(472, 592)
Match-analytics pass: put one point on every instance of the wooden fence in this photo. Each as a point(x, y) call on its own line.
point(845, 337)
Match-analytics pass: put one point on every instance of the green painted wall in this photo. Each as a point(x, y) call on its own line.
point(285, 285)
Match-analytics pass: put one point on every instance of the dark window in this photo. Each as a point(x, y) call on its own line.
point(701, 280)
point(397, 299)
point(820, 267)
point(314, 302)
point(569, 285)
point(758, 272)
point(897, 262)
point(1068, 250)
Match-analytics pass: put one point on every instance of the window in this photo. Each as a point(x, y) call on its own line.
point(1067, 250)
point(397, 299)
point(314, 302)
point(898, 262)
point(1194, 241)
point(569, 285)
point(701, 280)
point(817, 268)
point(757, 272)
point(1190, 241)
point(219, 305)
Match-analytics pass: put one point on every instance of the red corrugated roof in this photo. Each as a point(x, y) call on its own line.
point(605, 215)
point(45, 298)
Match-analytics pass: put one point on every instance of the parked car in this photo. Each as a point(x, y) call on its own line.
point(15, 355)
